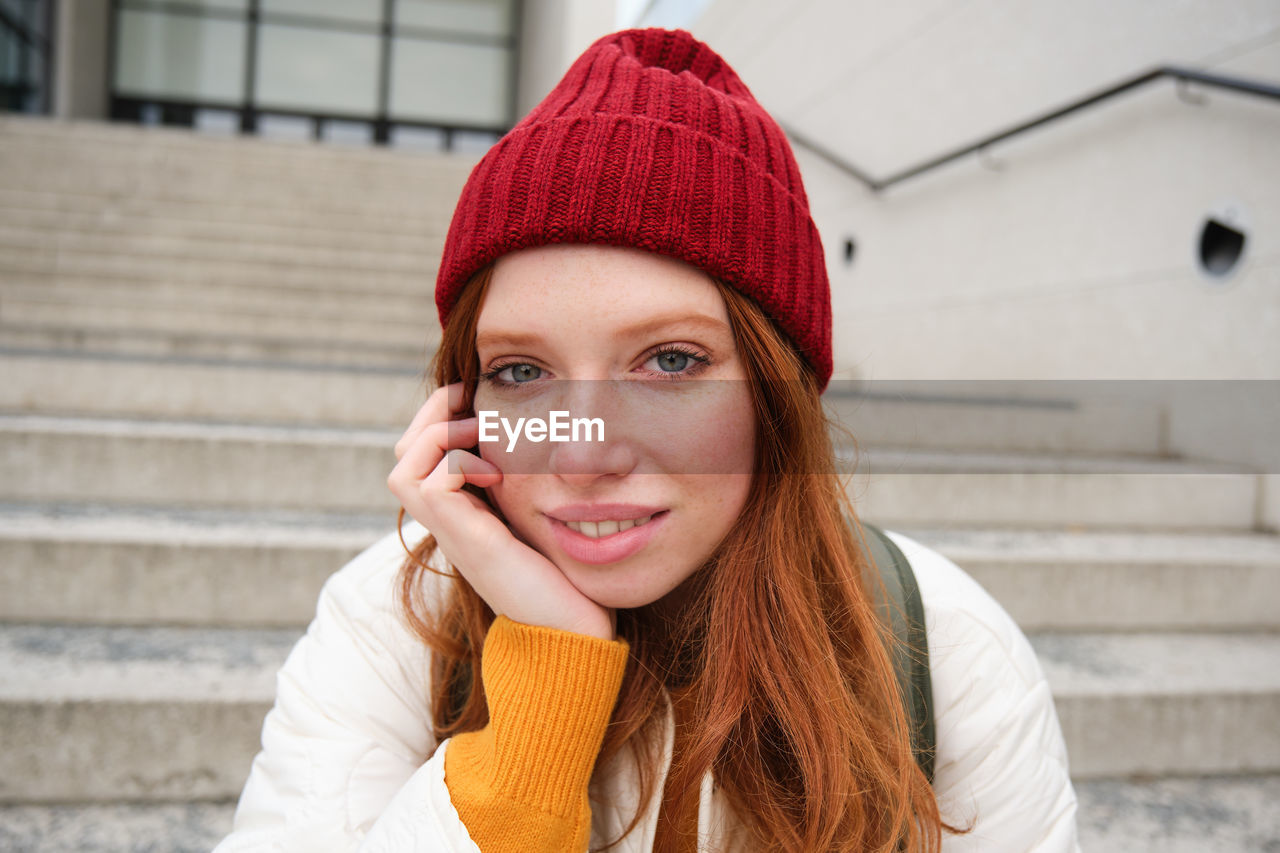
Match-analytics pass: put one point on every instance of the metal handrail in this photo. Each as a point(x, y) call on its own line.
point(1182, 75)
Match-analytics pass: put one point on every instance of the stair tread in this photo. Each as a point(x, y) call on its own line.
point(911, 461)
point(1160, 663)
point(47, 662)
point(205, 430)
point(1179, 815)
point(1016, 545)
point(883, 460)
point(194, 827)
point(58, 663)
point(191, 527)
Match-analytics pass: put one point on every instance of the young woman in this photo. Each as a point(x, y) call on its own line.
point(658, 634)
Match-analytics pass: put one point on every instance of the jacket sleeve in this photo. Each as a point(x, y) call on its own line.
point(1001, 767)
point(348, 745)
point(520, 783)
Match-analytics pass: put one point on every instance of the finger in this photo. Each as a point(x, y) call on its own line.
point(459, 468)
point(439, 496)
point(442, 403)
point(428, 449)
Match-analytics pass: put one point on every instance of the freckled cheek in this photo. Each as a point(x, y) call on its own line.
point(515, 498)
point(516, 457)
point(716, 437)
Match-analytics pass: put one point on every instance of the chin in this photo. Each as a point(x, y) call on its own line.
point(616, 592)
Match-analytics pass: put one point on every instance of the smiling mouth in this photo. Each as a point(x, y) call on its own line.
point(600, 529)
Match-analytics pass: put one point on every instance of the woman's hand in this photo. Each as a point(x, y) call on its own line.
point(514, 579)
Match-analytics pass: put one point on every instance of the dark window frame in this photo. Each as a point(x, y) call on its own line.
point(32, 92)
point(249, 111)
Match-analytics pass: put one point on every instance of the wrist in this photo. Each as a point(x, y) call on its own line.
point(551, 694)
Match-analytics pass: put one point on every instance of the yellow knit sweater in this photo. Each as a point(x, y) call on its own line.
point(520, 783)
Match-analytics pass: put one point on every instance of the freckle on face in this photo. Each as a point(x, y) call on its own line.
point(578, 302)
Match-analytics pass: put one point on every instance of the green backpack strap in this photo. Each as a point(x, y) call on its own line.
point(903, 610)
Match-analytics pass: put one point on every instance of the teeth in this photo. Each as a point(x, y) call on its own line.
point(597, 529)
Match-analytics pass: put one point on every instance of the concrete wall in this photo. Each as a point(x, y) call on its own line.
point(1066, 253)
point(82, 37)
point(1075, 257)
point(553, 34)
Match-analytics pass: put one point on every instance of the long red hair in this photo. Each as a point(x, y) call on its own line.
point(785, 660)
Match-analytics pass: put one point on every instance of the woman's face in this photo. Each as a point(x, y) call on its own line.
point(643, 343)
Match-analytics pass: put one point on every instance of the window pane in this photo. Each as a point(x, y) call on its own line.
point(236, 5)
point(361, 11)
point(180, 57)
point(38, 77)
point(306, 69)
point(225, 5)
point(347, 132)
point(422, 138)
point(486, 17)
point(460, 84)
point(11, 70)
point(222, 122)
point(32, 14)
point(473, 141)
point(286, 127)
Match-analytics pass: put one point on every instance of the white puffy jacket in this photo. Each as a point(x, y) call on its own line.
point(348, 761)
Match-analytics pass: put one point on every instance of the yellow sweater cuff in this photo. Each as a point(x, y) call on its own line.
point(551, 694)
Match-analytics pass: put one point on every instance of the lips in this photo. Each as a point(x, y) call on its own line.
point(604, 539)
point(603, 512)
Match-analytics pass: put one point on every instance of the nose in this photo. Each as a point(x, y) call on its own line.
point(603, 451)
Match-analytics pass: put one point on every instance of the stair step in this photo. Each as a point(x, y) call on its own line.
point(15, 239)
point(194, 827)
point(401, 220)
point(191, 464)
point(70, 383)
point(42, 211)
point(969, 489)
point(223, 293)
point(60, 340)
point(158, 298)
point(1161, 704)
point(1092, 580)
point(19, 263)
point(273, 173)
point(402, 180)
point(334, 200)
point(46, 310)
point(1181, 815)
point(158, 713)
point(1042, 417)
point(107, 566)
point(119, 144)
point(198, 464)
point(126, 701)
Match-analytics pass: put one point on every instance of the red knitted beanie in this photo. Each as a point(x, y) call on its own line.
point(652, 141)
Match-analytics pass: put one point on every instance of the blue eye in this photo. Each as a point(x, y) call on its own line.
point(675, 362)
point(672, 361)
point(519, 373)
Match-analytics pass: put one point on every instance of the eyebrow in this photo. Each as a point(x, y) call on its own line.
point(682, 320)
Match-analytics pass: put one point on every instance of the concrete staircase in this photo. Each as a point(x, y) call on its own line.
point(208, 349)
